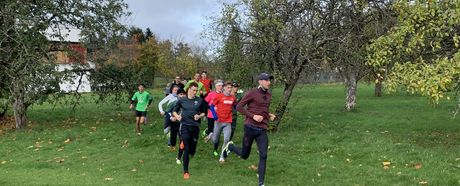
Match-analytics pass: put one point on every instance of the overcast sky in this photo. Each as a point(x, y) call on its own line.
point(179, 20)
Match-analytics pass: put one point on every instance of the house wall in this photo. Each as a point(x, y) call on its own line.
point(71, 84)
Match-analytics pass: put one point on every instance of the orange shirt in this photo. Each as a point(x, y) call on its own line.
point(223, 105)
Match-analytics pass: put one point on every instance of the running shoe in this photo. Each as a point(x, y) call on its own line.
point(208, 137)
point(178, 161)
point(186, 176)
point(203, 134)
point(221, 160)
point(226, 149)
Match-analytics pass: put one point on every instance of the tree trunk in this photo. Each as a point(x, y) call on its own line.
point(351, 86)
point(19, 105)
point(281, 107)
point(378, 89)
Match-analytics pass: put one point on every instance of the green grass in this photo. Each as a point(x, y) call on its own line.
point(318, 144)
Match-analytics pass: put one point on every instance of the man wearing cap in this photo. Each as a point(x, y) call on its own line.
point(254, 105)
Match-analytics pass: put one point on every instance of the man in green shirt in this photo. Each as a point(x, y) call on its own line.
point(201, 89)
point(143, 100)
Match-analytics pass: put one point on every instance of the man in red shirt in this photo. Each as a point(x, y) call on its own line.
point(207, 83)
point(254, 105)
point(223, 105)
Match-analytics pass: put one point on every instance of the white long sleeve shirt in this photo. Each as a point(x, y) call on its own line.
point(168, 99)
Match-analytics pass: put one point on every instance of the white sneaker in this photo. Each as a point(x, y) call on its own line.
point(221, 160)
point(226, 150)
point(208, 137)
point(178, 161)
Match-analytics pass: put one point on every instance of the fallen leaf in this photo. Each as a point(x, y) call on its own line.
point(253, 167)
point(386, 167)
point(3, 162)
point(50, 142)
point(423, 182)
point(418, 166)
point(125, 144)
point(60, 149)
point(386, 163)
point(93, 129)
point(67, 140)
point(348, 160)
point(399, 173)
point(108, 179)
point(141, 161)
point(60, 160)
point(37, 145)
point(134, 170)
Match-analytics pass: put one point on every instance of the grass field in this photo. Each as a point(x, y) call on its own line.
point(318, 144)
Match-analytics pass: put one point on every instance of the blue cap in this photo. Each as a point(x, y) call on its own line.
point(265, 76)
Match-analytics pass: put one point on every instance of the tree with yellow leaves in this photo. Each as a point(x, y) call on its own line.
point(422, 50)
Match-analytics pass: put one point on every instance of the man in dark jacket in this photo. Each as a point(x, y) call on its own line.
point(254, 105)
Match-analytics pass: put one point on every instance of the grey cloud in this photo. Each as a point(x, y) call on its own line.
point(172, 19)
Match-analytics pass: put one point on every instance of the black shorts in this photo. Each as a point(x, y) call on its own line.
point(141, 113)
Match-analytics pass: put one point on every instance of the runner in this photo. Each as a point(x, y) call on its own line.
point(201, 91)
point(175, 126)
point(207, 133)
point(238, 93)
point(207, 83)
point(254, 105)
point(223, 104)
point(171, 98)
point(168, 89)
point(177, 82)
point(192, 109)
point(143, 100)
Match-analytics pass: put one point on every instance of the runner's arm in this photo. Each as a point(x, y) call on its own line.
point(240, 107)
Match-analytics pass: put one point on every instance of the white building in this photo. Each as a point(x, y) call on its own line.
point(65, 61)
